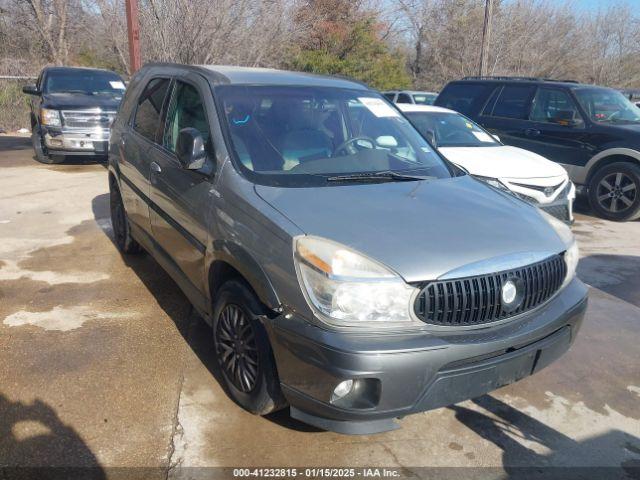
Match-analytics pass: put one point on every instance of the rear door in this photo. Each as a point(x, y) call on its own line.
point(135, 143)
point(181, 197)
point(506, 113)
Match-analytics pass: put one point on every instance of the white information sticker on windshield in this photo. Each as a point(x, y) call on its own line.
point(378, 107)
point(117, 85)
point(483, 137)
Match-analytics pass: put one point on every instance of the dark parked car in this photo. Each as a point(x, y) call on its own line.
point(594, 132)
point(72, 110)
point(346, 268)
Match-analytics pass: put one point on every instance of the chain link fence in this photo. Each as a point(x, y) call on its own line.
point(14, 105)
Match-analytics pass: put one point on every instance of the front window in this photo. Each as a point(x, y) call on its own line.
point(451, 130)
point(424, 98)
point(604, 105)
point(87, 82)
point(294, 136)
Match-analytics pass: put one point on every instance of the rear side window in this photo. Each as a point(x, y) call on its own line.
point(149, 109)
point(390, 96)
point(465, 98)
point(403, 98)
point(513, 102)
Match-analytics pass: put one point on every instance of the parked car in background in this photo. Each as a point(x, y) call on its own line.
point(412, 97)
point(526, 174)
point(346, 268)
point(594, 132)
point(71, 111)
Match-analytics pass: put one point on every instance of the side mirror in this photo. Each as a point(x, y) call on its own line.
point(190, 149)
point(30, 90)
point(566, 118)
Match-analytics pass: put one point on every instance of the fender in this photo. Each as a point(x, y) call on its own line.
point(580, 175)
point(242, 261)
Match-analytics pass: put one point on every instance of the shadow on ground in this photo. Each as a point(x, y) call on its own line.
point(617, 275)
point(195, 331)
point(509, 429)
point(35, 443)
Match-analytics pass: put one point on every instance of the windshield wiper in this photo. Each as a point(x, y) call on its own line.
point(388, 176)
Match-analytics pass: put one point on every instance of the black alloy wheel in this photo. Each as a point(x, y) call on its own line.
point(236, 348)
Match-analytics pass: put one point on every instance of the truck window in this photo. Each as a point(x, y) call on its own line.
point(513, 102)
point(463, 97)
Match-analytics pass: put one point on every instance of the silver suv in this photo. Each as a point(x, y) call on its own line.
point(346, 268)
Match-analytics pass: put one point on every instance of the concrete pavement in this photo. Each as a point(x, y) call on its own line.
point(103, 364)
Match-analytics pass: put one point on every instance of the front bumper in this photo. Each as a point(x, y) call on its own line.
point(400, 374)
point(76, 142)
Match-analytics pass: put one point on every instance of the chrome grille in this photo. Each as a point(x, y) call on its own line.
point(477, 300)
point(87, 119)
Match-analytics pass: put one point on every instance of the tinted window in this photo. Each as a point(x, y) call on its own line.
point(291, 136)
point(424, 98)
point(186, 110)
point(463, 97)
point(149, 108)
point(390, 96)
point(554, 106)
point(513, 102)
point(403, 98)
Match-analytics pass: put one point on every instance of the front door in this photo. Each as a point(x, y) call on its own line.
point(180, 197)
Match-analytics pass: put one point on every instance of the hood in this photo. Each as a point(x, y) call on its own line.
point(502, 162)
point(423, 229)
point(80, 101)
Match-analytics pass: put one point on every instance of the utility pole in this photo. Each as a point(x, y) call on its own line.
point(486, 35)
point(133, 29)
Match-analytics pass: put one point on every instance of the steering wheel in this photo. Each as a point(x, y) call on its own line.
point(614, 114)
point(351, 141)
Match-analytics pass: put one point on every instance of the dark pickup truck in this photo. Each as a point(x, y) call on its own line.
point(71, 111)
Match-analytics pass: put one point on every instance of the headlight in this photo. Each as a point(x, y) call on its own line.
point(348, 289)
point(572, 254)
point(50, 117)
point(494, 182)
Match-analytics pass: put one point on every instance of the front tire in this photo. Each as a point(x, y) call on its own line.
point(120, 223)
point(40, 149)
point(243, 350)
point(614, 192)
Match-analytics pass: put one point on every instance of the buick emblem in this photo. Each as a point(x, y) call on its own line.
point(509, 292)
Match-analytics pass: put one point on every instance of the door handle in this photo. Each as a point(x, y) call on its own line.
point(532, 132)
point(155, 168)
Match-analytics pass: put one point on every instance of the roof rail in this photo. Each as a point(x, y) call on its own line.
point(522, 79)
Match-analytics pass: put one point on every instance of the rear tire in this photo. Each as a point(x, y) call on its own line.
point(120, 223)
point(40, 150)
point(243, 350)
point(614, 192)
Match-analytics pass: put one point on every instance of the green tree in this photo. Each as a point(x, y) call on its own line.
point(344, 39)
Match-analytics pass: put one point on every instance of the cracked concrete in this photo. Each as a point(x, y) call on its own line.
point(103, 364)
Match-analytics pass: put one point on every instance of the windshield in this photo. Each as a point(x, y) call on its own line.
point(424, 98)
point(293, 135)
point(451, 130)
point(607, 106)
point(89, 82)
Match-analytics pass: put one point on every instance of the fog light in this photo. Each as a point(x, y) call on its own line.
point(54, 142)
point(342, 390)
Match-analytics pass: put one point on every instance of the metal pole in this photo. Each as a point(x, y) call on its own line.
point(133, 28)
point(486, 35)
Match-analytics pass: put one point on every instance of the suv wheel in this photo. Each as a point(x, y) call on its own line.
point(614, 192)
point(40, 149)
point(243, 350)
point(120, 223)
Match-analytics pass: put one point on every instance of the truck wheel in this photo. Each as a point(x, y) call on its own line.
point(243, 350)
point(614, 192)
point(40, 149)
point(120, 223)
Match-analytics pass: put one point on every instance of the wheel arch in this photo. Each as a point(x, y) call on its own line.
point(234, 262)
point(608, 157)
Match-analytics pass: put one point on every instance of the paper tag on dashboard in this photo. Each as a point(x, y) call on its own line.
point(483, 137)
point(378, 107)
point(117, 85)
